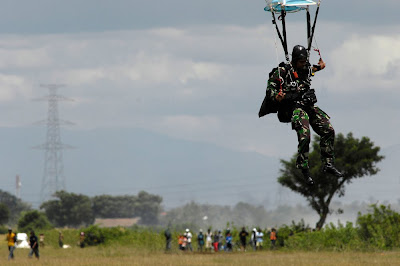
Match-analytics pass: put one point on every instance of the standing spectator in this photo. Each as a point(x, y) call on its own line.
point(189, 239)
point(254, 238)
point(60, 239)
point(82, 239)
point(209, 237)
point(168, 239)
point(34, 245)
point(221, 239)
point(216, 241)
point(184, 241)
point(243, 238)
point(260, 239)
point(41, 240)
point(228, 241)
point(180, 242)
point(11, 239)
point(272, 237)
point(200, 241)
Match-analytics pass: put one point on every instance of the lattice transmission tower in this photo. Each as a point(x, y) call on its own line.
point(53, 175)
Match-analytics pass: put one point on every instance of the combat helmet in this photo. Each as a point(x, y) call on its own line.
point(299, 53)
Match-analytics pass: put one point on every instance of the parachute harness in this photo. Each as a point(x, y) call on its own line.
point(284, 44)
point(283, 6)
point(277, 56)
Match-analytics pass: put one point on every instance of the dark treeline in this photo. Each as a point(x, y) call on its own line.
point(11, 207)
point(74, 210)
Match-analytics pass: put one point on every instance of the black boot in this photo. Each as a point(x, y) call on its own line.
point(307, 177)
point(331, 169)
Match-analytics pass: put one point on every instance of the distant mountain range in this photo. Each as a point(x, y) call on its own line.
point(125, 161)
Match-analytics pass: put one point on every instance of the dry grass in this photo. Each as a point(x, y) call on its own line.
point(128, 256)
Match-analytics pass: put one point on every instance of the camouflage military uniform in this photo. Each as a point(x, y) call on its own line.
point(300, 113)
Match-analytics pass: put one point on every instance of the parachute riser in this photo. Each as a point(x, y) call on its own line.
point(284, 38)
point(283, 9)
point(283, 14)
point(310, 36)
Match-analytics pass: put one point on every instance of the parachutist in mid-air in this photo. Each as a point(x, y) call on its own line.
point(289, 94)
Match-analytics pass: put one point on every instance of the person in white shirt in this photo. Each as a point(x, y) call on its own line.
point(209, 236)
point(189, 240)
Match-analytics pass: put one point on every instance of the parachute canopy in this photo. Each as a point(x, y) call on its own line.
point(288, 5)
point(284, 6)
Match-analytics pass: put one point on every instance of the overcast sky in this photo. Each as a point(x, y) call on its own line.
point(196, 70)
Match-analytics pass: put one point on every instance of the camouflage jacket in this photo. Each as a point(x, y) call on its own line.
point(294, 85)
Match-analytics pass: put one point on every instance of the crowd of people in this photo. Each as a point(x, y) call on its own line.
point(215, 241)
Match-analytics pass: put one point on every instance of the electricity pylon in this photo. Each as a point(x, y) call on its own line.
point(53, 175)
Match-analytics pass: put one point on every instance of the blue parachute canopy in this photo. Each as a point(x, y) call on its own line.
point(288, 5)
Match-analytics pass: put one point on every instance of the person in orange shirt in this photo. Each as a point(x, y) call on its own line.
point(272, 237)
point(180, 242)
point(11, 239)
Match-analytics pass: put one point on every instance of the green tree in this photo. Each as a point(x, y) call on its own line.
point(354, 157)
point(4, 213)
point(380, 227)
point(33, 220)
point(69, 209)
point(15, 205)
point(106, 206)
point(148, 208)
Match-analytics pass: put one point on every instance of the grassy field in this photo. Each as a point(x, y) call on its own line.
point(122, 255)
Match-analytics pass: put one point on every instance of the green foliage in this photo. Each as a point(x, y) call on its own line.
point(285, 231)
point(106, 206)
point(15, 206)
point(71, 236)
point(33, 220)
point(330, 238)
point(4, 213)
point(69, 209)
point(139, 237)
point(355, 158)
point(381, 228)
point(144, 205)
point(377, 230)
point(148, 208)
point(3, 229)
point(95, 235)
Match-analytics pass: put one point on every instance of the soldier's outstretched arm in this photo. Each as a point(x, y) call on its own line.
point(321, 65)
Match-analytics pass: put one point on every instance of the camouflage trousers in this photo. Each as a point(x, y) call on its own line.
point(302, 118)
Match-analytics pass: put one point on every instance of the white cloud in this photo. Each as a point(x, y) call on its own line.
point(23, 57)
point(13, 87)
point(363, 63)
point(201, 83)
point(81, 76)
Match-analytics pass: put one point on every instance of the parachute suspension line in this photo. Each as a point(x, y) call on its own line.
point(276, 47)
point(308, 26)
point(279, 69)
point(279, 33)
point(317, 48)
point(313, 27)
point(283, 14)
